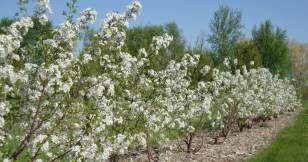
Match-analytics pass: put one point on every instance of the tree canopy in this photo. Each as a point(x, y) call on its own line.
point(272, 44)
point(225, 29)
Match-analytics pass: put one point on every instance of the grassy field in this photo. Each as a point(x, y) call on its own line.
point(291, 145)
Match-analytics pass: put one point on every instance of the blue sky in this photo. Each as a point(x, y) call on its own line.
point(193, 16)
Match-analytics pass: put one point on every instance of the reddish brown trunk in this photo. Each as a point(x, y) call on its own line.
point(188, 142)
point(149, 147)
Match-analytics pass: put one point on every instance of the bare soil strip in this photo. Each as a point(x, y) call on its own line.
point(237, 147)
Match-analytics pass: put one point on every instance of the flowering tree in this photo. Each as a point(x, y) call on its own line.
point(38, 98)
point(242, 96)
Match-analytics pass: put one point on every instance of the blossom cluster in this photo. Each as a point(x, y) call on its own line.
point(161, 42)
point(65, 111)
point(242, 95)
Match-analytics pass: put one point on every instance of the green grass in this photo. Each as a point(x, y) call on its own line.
point(291, 145)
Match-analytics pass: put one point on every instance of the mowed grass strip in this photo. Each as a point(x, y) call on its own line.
point(291, 145)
